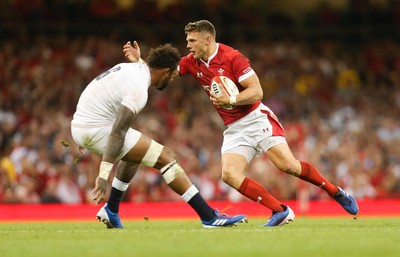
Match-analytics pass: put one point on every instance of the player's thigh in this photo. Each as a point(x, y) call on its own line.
point(282, 157)
point(149, 153)
point(136, 152)
point(233, 162)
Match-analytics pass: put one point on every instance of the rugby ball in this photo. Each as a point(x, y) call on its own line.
point(219, 83)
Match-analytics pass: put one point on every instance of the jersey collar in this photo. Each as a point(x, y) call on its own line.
point(211, 57)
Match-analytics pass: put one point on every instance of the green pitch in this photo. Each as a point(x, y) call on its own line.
point(306, 237)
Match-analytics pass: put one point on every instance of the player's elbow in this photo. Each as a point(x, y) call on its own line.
point(259, 95)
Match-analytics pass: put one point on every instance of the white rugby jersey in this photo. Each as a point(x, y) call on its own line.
point(125, 83)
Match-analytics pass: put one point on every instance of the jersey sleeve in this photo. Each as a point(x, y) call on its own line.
point(241, 66)
point(135, 101)
point(183, 67)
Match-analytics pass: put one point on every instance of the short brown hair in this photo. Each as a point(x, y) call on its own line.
point(164, 56)
point(200, 26)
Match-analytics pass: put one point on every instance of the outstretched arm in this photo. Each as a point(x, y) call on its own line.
point(132, 53)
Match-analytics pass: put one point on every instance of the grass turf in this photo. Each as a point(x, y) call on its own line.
point(306, 237)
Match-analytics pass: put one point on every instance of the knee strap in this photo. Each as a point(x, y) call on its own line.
point(171, 171)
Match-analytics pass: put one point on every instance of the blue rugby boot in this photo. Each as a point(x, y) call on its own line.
point(111, 219)
point(280, 218)
point(224, 220)
point(346, 201)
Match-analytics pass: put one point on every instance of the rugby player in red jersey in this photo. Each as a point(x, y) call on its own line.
point(252, 128)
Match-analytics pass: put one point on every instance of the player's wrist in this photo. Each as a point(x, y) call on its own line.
point(232, 100)
point(141, 61)
point(105, 169)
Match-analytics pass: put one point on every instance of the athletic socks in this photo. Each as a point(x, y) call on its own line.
point(256, 192)
point(191, 196)
point(196, 201)
point(310, 174)
point(249, 188)
point(117, 190)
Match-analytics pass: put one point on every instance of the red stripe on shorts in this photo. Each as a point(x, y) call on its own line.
point(277, 128)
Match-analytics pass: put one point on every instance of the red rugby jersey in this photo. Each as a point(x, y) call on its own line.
point(228, 62)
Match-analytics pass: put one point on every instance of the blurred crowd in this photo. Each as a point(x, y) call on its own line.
point(339, 100)
point(340, 107)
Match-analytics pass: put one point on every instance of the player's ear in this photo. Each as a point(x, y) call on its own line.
point(175, 73)
point(208, 39)
point(164, 71)
point(169, 71)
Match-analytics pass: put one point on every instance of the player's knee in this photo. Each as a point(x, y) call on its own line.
point(229, 176)
point(166, 156)
point(171, 171)
point(227, 179)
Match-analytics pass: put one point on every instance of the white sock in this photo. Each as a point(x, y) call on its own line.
point(192, 191)
point(118, 184)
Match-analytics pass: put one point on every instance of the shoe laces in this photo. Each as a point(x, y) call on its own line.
point(344, 197)
point(221, 213)
point(222, 216)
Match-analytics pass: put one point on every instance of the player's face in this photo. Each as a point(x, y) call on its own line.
point(166, 79)
point(197, 43)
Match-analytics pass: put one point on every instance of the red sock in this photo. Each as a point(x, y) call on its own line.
point(310, 174)
point(256, 192)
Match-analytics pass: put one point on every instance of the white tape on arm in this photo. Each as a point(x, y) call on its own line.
point(232, 100)
point(105, 169)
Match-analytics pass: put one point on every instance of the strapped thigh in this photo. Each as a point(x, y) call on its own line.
point(152, 154)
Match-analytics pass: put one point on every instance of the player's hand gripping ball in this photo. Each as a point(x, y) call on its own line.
point(222, 83)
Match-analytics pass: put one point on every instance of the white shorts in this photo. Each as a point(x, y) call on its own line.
point(256, 132)
point(94, 139)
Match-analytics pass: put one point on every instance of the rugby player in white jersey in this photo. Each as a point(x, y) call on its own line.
point(102, 125)
point(252, 128)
